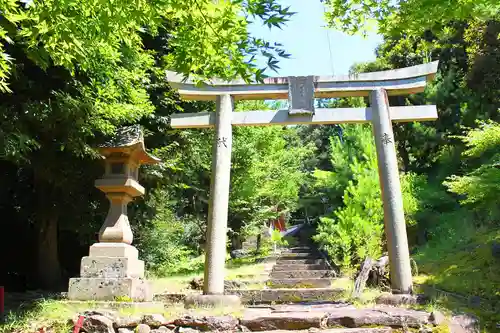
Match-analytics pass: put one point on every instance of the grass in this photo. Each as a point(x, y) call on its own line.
point(463, 266)
point(238, 269)
point(43, 313)
point(468, 269)
point(343, 283)
point(55, 315)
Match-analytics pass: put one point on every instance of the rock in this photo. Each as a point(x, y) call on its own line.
point(401, 299)
point(437, 318)
point(124, 322)
point(142, 328)
point(474, 301)
point(164, 329)
point(113, 315)
point(232, 284)
point(170, 297)
point(242, 328)
point(284, 321)
point(196, 284)
point(379, 277)
point(187, 330)
point(464, 323)
point(98, 324)
point(211, 301)
point(153, 320)
point(125, 330)
point(219, 323)
point(359, 330)
point(238, 254)
point(378, 316)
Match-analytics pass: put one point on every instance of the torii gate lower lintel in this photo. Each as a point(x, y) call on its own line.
point(301, 92)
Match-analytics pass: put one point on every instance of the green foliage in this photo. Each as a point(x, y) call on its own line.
point(276, 237)
point(267, 173)
point(355, 230)
point(411, 17)
point(123, 299)
point(483, 140)
point(282, 241)
point(162, 240)
point(480, 187)
point(463, 263)
point(207, 38)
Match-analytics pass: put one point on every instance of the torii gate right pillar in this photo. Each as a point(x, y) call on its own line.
point(394, 220)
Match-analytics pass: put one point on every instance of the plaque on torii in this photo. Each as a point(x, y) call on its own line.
point(301, 95)
point(301, 92)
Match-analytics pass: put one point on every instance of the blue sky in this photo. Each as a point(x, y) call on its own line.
point(306, 38)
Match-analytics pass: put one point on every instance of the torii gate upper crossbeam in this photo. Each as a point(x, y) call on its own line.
point(402, 81)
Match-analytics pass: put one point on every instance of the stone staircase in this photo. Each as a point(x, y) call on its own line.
point(300, 267)
point(300, 274)
point(298, 297)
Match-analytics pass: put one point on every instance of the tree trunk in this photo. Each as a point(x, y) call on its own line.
point(405, 158)
point(360, 282)
point(49, 268)
point(259, 241)
point(46, 228)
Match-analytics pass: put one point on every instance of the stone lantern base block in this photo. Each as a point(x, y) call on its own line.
point(120, 250)
point(111, 267)
point(212, 301)
point(111, 272)
point(109, 289)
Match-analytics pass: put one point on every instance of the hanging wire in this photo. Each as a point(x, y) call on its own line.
point(329, 42)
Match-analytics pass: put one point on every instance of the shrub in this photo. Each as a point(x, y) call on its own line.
point(356, 228)
point(161, 240)
point(479, 186)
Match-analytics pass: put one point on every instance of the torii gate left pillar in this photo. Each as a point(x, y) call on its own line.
point(215, 254)
point(215, 250)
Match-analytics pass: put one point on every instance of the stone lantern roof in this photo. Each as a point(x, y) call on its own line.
point(128, 140)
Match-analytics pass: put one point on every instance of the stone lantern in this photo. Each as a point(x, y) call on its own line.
point(113, 270)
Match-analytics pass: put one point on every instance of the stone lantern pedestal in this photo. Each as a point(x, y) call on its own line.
point(113, 269)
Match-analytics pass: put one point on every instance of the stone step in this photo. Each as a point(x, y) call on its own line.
point(298, 255)
point(300, 249)
point(300, 262)
point(294, 267)
point(287, 295)
point(300, 283)
point(336, 315)
point(294, 274)
point(340, 330)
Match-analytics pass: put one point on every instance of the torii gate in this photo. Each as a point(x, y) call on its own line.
point(301, 92)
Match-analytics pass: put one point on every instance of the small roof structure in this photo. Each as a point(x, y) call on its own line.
point(128, 140)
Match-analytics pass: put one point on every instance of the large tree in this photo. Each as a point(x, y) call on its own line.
point(71, 71)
